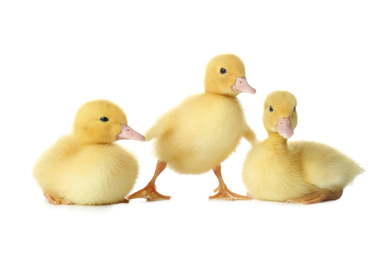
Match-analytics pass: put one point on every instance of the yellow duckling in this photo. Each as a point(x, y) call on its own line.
point(201, 132)
point(85, 167)
point(301, 171)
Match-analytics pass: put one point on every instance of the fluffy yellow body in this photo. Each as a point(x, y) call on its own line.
point(89, 174)
point(277, 171)
point(200, 133)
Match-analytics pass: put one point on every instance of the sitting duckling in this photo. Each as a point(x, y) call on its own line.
point(201, 132)
point(299, 172)
point(86, 167)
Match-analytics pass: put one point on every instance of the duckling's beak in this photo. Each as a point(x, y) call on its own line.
point(242, 85)
point(128, 133)
point(284, 127)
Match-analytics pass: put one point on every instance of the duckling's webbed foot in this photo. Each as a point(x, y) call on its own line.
point(149, 192)
point(56, 201)
point(319, 197)
point(226, 194)
point(223, 193)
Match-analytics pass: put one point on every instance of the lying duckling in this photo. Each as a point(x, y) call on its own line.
point(204, 129)
point(301, 171)
point(85, 167)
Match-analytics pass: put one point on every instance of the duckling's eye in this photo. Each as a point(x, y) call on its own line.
point(271, 109)
point(104, 119)
point(223, 71)
point(295, 109)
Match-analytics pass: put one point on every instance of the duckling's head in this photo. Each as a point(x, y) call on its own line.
point(225, 75)
point(280, 114)
point(102, 122)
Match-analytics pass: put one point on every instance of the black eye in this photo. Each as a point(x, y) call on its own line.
point(294, 109)
point(271, 109)
point(223, 71)
point(104, 119)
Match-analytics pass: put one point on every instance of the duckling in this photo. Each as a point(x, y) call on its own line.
point(202, 131)
point(300, 171)
point(86, 167)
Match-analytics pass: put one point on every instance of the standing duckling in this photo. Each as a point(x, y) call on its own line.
point(86, 167)
point(201, 132)
point(301, 171)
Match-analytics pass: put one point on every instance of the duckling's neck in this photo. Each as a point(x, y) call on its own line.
point(80, 140)
point(83, 139)
point(276, 141)
point(220, 95)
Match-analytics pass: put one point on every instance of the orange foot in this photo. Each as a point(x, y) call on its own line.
point(56, 201)
point(226, 194)
point(318, 197)
point(149, 193)
point(223, 193)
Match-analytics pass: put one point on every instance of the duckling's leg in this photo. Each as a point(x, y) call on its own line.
point(223, 192)
point(55, 201)
point(149, 192)
point(319, 197)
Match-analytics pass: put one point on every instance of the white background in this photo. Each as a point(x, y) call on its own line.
point(147, 56)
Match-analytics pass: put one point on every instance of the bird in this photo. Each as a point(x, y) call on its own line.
point(197, 135)
point(86, 167)
point(304, 172)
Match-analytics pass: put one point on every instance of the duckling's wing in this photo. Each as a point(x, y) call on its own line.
point(326, 167)
point(249, 135)
point(162, 125)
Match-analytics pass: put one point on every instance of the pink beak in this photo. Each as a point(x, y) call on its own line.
point(128, 133)
point(284, 127)
point(242, 85)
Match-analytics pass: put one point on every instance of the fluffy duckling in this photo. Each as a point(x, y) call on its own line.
point(86, 167)
point(201, 132)
point(301, 171)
